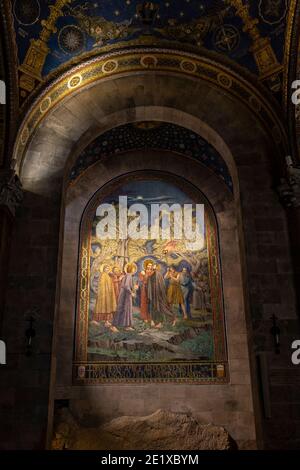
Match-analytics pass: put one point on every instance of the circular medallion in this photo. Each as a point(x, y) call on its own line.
point(224, 80)
point(272, 11)
point(188, 66)
point(71, 39)
point(149, 61)
point(25, 136)
point(45, 105)
point(226, 38)
point(75, 81)
point(27, 12)
point(110, 66)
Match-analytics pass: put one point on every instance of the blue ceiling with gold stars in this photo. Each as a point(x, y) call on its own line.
point(86, 26)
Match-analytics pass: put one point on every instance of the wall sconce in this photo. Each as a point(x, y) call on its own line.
point(275, 332)
point(30, 332)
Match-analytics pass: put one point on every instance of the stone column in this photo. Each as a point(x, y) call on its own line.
point(11, 196)
point(289, 191)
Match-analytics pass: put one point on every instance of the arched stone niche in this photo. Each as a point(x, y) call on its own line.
point(210, 111)
point(226, 123)
point(228, 404)
point(191, 342)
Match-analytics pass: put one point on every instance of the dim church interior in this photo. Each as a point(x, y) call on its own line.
point(189, 98)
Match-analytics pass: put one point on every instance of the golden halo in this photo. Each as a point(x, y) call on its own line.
point(116, 266)
point(103, 266)
point(132, 267)
point(147, 262)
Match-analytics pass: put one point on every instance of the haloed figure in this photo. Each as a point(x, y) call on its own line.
point(106, 304)
point(117, 277)
point(123, 317)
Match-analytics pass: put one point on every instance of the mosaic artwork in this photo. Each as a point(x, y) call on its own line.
point(149, 306)
point(214, 24)
point(155, 136)
point(50, 34)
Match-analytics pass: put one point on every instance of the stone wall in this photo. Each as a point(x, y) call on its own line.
point(229, 405)
point(25, 380)
point(271, 291)
point(241, 140)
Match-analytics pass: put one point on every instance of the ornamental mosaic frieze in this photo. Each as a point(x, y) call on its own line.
point(152, 135)
point(149, 60)
point(261, 47)
point(52, 34)
point(31, 69)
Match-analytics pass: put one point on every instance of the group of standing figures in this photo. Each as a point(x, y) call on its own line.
point(158, 296)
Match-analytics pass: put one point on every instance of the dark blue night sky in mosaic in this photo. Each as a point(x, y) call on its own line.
point(220, 29)
point(168, 137)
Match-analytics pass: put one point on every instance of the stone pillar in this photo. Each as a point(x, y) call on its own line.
point(11, 196)
point(289, 191)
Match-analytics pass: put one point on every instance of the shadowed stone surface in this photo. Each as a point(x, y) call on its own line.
point(241, 140)
point(162, 430)
point(103, 403)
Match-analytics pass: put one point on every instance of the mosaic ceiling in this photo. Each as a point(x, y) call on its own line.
point(155, 136)
point(50, 33)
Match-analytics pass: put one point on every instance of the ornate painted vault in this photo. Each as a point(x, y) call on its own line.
point(249, 45)
point(51, 34)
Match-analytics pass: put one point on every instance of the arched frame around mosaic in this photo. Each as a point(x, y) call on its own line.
point(143, 60)
point(289, 54)
point(9, 72)
point(293, 115)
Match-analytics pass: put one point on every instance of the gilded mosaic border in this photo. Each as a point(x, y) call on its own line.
point(215, 371)
point(187, 373)
point(148, 59)
point(289, 49)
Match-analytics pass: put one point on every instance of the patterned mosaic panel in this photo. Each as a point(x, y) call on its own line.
point(148, 60)
point(150, 303)
point(158, 136)
point(86, 26)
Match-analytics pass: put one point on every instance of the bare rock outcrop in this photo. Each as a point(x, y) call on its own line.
point(163, 430)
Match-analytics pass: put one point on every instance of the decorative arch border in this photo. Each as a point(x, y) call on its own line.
point(290, 52)
point(293, 73)
point(143, 60)
point(161, 136)
point(8, 72)
point(196, 372)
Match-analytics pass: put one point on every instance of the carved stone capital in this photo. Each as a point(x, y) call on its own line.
point(11, 194)
point(289, 188)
